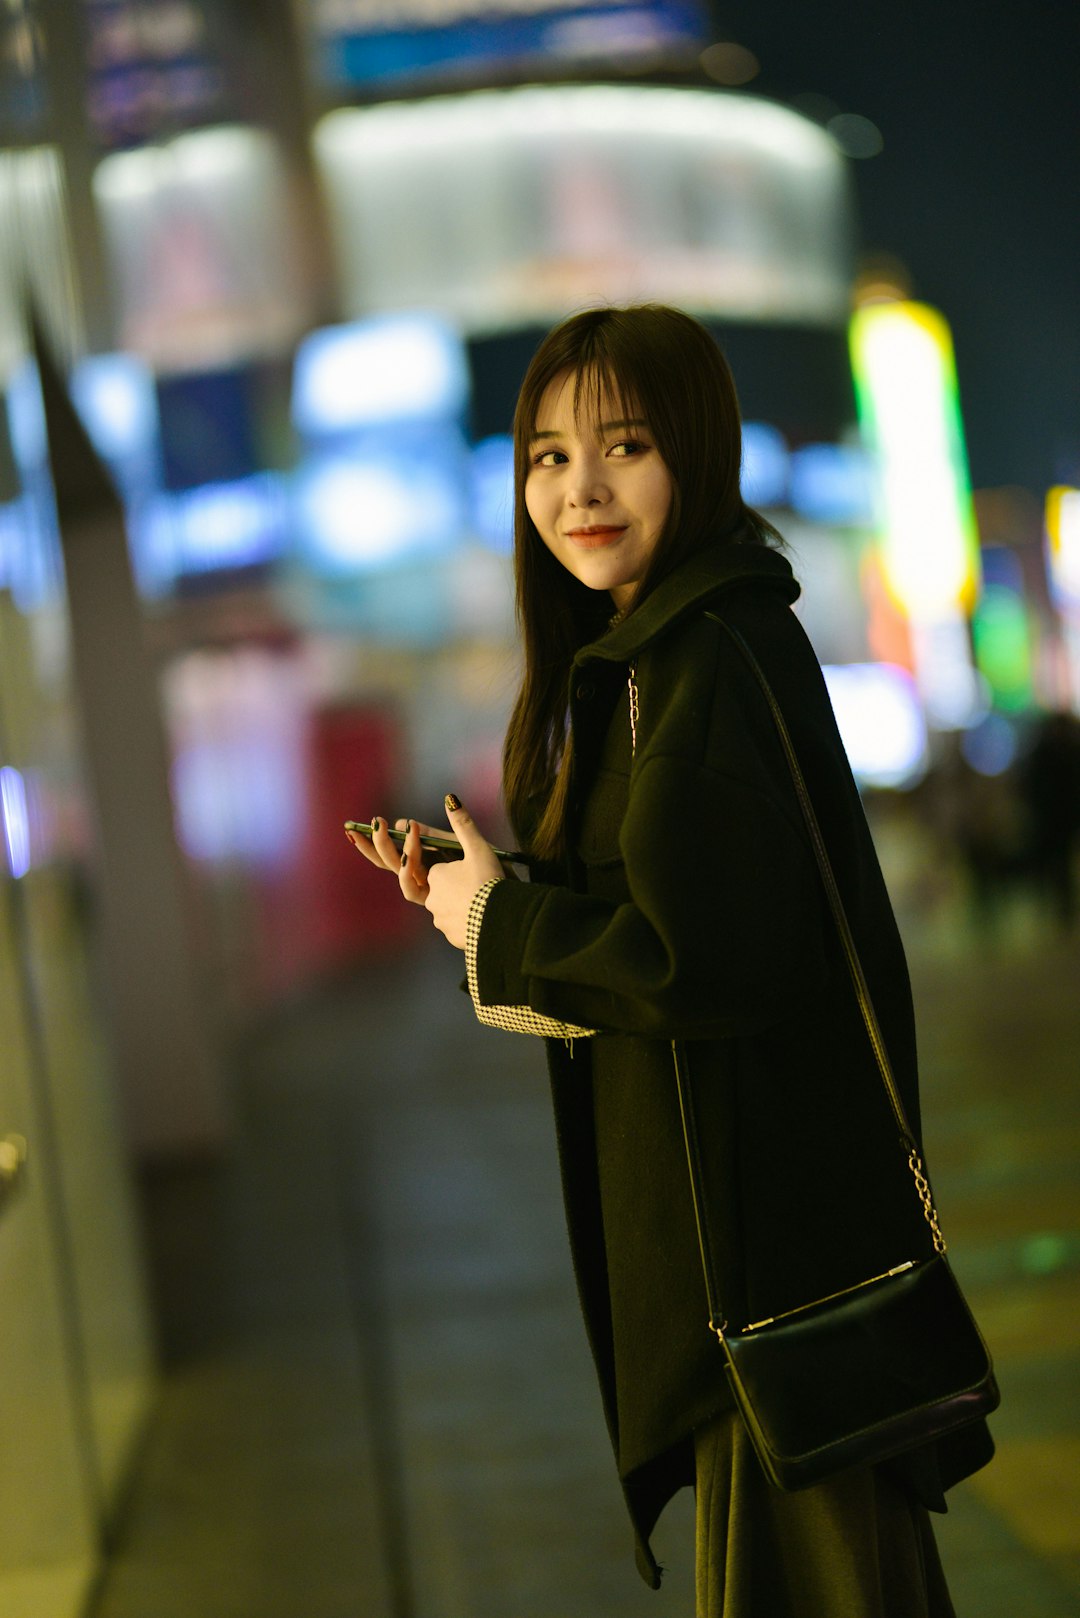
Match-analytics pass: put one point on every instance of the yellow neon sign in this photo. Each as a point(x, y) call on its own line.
point(1063, 549)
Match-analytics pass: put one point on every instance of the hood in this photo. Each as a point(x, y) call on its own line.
point(684, 591)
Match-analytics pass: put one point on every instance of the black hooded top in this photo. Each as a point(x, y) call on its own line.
point(691, 909)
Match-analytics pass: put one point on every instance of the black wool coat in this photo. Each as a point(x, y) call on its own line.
point(691, 909)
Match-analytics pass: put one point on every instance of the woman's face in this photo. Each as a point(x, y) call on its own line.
point(596, 489)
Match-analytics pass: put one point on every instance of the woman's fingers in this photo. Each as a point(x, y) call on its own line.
point(380, 848)
point(406, 860)
point(382, 842)
point(421, 829)
point(366, 848)
point(412, 874)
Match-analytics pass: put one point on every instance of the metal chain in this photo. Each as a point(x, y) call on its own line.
point(922, 1186)
point(632, 685)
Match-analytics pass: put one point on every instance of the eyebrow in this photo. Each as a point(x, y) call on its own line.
point(605, 427)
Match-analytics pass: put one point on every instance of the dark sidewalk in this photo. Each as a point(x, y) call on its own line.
point(378, 1400)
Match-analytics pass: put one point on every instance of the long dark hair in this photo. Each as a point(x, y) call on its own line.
point(662, 364)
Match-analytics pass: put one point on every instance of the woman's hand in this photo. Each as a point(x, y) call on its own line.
point(453, 886)
point(448, 888)
point(406, 861)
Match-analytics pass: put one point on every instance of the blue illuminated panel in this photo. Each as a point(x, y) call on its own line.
point(831, 483)
point(115, 396)
point(371, 373)
point(376, 506)
point(764, 465)
point(354, 51)
point(229, 525)
point(492, 510)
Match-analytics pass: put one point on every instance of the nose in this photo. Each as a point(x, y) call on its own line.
point(587, 486)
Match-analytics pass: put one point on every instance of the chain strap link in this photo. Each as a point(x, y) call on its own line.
point(922, 1186)
point(631, 682)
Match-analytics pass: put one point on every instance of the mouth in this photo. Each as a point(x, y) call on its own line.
point(594, 537)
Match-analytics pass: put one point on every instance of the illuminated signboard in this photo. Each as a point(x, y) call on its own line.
point(507, 208)
point(372, 373)
point(370, 41)
point(880, 722)
point(150, 68)
point(832, 483)
point(377, 505)
point(379, 404)
point(1063, 545)
point(909, 411)
point(905, 378)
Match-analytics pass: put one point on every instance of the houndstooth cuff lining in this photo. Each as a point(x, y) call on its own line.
point(514, 1019)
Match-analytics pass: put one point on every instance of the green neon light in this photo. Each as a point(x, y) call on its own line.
point(1001, 634)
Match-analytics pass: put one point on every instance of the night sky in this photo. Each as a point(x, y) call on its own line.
point(977, 189)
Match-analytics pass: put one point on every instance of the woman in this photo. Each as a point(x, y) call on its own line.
point(674, 898)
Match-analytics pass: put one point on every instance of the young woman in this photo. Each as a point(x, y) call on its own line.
point(674, 898)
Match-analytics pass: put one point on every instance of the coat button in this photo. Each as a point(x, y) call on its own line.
point(585, 691)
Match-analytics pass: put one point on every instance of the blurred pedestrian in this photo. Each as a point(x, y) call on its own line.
point(979, 818)
point(1050, 780)
point(675, 918)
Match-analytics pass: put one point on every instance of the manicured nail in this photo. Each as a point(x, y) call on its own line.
point(408, 827)
point(453, 801)
point(374, 822)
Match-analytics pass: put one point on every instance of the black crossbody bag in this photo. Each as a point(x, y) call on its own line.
point(883, 1366)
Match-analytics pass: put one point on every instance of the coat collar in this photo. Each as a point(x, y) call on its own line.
point(682, 592)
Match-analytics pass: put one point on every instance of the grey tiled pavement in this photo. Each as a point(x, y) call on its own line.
point(378, 1401)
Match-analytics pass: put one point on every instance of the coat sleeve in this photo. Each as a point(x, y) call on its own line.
point(512, 1019)
point(723, 934)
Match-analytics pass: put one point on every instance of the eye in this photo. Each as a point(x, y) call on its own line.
point(546, 457)
point(627, 447)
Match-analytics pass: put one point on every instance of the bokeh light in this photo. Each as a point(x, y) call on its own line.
point(764, 464)
point(991, 746)
point(1063, 537)
point(16, 819)
point(881, 278)
point(729, 63)
point(371, 372)
point(880, 722)
point(856, 136)
point(905, 377)
point(492, 469)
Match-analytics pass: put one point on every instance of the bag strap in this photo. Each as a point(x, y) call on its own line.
point(851, 955)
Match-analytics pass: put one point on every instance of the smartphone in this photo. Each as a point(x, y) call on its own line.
point(439, 845)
